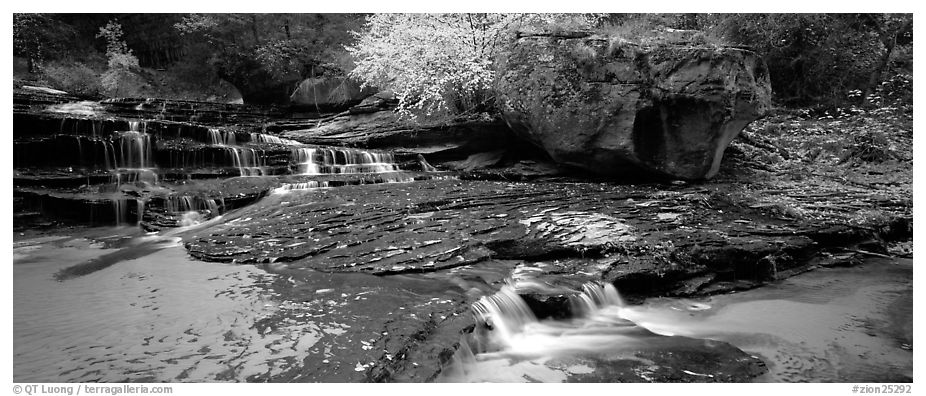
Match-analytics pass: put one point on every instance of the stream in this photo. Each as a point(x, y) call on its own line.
point(162, 316)
point(157, 246)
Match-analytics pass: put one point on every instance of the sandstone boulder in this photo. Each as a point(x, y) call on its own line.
point(329, 93)
point(613, 107)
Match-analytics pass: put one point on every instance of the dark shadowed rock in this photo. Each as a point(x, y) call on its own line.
point(328, 93)
point(675, 359)
point(609, 106)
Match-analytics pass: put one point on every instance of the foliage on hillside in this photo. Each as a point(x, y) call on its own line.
point(240, 47)
point(439, 64)
point(813, 59)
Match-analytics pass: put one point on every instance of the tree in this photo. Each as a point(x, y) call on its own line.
point(816, 58)
point(38, 37)
point(122, 63)
point(889, 28)
point(261, 52)
point(440, 63)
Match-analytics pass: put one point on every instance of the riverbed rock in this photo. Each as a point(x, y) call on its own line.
point(463, 145)
point(328, 93)
point(612, 107)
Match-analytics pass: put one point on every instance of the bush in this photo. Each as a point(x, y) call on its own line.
point(120, 79)
point(73, 77)
point(441, 64)
point(120, 82)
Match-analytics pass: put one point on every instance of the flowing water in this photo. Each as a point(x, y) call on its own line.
point(153, 318)
point(831, 325)
point(114, 304)
point(147, 312)
point(151, 314)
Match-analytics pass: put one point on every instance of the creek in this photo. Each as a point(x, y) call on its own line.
point(162, 316)
point(210, 251)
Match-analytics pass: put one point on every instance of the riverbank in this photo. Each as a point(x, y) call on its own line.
point(402, 221)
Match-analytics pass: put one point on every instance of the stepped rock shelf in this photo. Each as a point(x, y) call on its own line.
point(453, 209)
point(96, 162)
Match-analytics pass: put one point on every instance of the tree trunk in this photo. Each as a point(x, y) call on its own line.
point(889, 41)
point(254, 29)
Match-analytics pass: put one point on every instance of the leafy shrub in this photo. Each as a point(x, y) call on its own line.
point(869, 146)
point(120, 79)
point(73, 77)
point(440, 64)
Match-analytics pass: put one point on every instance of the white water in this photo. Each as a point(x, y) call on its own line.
point(221, 138)
point(265, 138)
point(310, 185)
point(828, 325)
point(322, 161)
point(84, 108)
point(248, 161)
point(130, 158)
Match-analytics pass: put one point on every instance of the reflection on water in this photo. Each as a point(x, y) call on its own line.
point(158, 317)
point(830, 325)
point(143, 311)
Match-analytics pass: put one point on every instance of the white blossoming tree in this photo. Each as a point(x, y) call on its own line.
point(439, 64)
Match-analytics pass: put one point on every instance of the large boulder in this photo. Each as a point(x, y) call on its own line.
point(613, 107)
point(329, 93)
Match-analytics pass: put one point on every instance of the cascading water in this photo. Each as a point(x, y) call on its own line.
point(286, 187)
point(248, 161)
point(186, 203)
point(265, 138)
point(134, 150)
point(131, 156)
point(221, 138)
point(305, 161)
point(194, 210)
point(319, 161)
point(509, 334)
point(595, 296)
point(121, 210)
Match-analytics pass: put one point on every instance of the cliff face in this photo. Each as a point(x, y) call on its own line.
point(612, 107)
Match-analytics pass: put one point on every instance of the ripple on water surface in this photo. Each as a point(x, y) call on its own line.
point(160, 317)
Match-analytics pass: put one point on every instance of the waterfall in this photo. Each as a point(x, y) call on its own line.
point(177, 204)
point(119, 208)
point(286, 187)
point(507, 330)
point(80, 151)
point(595, 296)
point(247, 160)
point(425, 166)
point(138, 126)
point(132, 175)
point(265, 138)
point(213, 207)
point(305, 161)
point(129, 156)
point(323, 161)
point(186, 203)
point(505, 313)
point(140, 210)
point(134, 150)
point(221, 138)
point(109, 154)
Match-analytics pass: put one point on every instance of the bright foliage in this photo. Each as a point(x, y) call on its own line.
point(438, 64)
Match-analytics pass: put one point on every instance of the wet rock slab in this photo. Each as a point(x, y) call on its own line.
point(674, 359)
point(676, 239)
